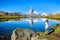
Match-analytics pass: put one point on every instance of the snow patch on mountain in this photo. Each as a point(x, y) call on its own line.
point(35, 12)
point(44, 14)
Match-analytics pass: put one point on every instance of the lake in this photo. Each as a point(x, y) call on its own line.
point(35, 24)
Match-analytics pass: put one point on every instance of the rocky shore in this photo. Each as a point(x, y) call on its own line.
point(26, 34)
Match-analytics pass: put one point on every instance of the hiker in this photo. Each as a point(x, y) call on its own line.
point(46, 26)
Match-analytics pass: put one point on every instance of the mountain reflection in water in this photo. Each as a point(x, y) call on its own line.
point(35, 24)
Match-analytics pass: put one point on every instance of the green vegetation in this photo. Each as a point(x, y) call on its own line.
point(55, 27)
point(10, 17)
point(53, 35)
point(2, 20)
point(56, 34)
point(56, 16)
point(40, 34)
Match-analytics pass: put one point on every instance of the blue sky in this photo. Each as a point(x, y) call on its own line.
point(24, 5)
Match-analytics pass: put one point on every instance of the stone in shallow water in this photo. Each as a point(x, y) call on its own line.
point(24, 34)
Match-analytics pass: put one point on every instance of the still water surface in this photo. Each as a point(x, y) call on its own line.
point(35, 24)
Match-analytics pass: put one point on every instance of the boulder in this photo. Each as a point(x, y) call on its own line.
point(24, 34)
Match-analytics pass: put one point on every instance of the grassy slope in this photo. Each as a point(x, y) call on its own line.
point(10, 17)
point(52, 36)
point(57, 16)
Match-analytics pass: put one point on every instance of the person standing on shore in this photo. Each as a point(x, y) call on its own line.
point(46, 26)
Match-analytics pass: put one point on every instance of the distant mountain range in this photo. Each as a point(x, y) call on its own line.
point(56, 13)
point(9, 14)
point(53, 16)
point(34, 14)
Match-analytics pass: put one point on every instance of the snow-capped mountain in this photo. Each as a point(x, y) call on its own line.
point(56, 13)
point(35, 12)
point(44, 14)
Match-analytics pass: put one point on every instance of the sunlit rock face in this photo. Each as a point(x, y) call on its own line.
point(23, 34)
point(31, 11)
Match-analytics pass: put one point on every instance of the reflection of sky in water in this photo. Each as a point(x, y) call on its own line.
point(33, 24)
